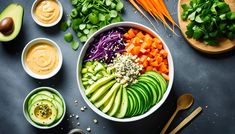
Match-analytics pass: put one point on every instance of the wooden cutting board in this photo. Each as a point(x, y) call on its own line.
point(225, 44)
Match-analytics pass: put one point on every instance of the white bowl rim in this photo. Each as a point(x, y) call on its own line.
point(171, 71)
point(43, 24)
point(34, 75)
point(32, 93)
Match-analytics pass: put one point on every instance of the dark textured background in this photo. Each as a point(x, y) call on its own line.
point(209, 78)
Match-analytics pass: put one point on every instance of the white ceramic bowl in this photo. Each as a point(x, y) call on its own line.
point(25, 107)
point(25, 51)
point(83, 52)
point(43, 24)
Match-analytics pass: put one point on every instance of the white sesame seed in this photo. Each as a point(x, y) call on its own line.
point(88, 129)
point(78, 123)
point(82, 109)
point(95, 121)
point(77, 116)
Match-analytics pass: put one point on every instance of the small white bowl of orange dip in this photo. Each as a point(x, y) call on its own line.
point(47, 13)
point(41, 58)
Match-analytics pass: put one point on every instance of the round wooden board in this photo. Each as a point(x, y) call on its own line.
point(225, 44)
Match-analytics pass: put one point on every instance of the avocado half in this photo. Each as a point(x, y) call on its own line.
point(16, 12)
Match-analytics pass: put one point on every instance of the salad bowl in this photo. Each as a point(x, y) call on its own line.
point(80, 63)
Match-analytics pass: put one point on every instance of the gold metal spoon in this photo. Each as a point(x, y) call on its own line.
point(183, 102)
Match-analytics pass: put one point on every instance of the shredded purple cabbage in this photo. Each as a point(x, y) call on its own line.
point(106, 45)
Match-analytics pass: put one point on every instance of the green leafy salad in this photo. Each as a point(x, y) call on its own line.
point(210, 20)
point(88, 16)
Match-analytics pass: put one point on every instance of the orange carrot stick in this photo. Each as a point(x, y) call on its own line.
point(138, 8)
point(150, 8)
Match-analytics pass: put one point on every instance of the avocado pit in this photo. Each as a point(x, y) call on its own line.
point(7, 26)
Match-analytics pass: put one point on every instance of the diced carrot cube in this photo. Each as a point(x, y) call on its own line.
point(143, 58)
point(130, 47)
point(164, 53)
point(140, 35)
point(159, 46)
point(145, 63)
point(148, 41)
point(126, 35)
point(131, 33)
point(157, 40)
point(165, 61)
point(147, 36)
point(159, 59)
point(136, 50)
point(144, 45)
point(163, 68)
point(136, 40)
point(154, 45)
point(155, 63)
point(149, 68)
point(154, 52)
point(135, 31)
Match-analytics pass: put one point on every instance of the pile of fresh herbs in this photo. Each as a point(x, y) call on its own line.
point(88, 16)
point(210, 20)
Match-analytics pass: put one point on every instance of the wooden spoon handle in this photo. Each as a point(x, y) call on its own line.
point(169, 122)
point(186, 120)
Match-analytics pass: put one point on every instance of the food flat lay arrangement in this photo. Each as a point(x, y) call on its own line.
point(117, 66)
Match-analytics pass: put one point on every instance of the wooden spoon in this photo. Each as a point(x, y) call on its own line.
point(183, 102)
point(225, 44)
point(187, 120)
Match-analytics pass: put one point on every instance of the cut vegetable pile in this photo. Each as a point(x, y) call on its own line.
point(210, 20)
point(125, 72)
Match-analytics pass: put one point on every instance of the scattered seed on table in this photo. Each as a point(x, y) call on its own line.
point(78, 123)
point(88, 129)
point(70, 116)
point(82, 109)
point(95, 121)
point(76, 116)
point(73, 115)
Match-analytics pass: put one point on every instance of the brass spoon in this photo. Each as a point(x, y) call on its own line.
point(183, 102)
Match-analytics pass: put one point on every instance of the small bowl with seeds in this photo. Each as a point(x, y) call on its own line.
point(44, 107)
